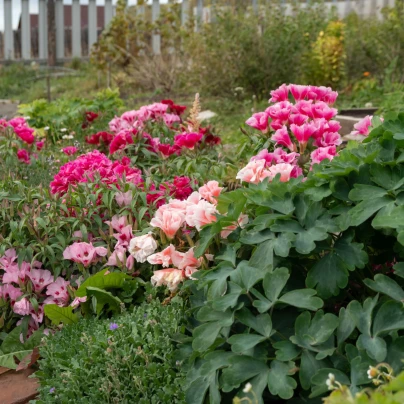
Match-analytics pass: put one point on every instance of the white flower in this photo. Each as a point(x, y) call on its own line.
point(372, 372)
point(67, 137)
point(63, 130)
point(27, 118)
point(46, 128)
point(247, 388)
point(141, 247)
point(330, 381)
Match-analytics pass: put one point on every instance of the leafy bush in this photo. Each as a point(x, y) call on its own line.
point(312, 285)
point(127, 359)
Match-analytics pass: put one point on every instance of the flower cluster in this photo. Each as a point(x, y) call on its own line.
point(301, 119)
point(28, 288)
point(87, 166)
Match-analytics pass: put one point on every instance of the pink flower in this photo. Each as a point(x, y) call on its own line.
point(169, 277)
point(242, 221)
point(8, 258)
point(15, 274)
point(174, 108)
point(322, 110)
point(168, 220)
point(362, 127)
point(120, 141)
point(40, 278)
point(303, 133)
point(282, 138)
point(84, 253)
point(259, 121)
point(22, 307)
point(23, 156)
point(280, 94)
point(283, 169)
point(299, 92)
point(162, 258)
point(39, 145)
point(124, 236)
point(142, 246)
point(58, 292)
point(167, 150)
point(210, 191)
point(318, 155)
point(201, 214)
point(280, 111)
point(280, 156)
point(254, 172)
point(77, 301)
point(22, 130)
point(171, 119)
point(298, 119)
point(123, 198)
point(183, 260)
point(118, 258)
point(117, 223)
point(187, 140)
point(328, 139)
point(10, 291)
point(70, 150)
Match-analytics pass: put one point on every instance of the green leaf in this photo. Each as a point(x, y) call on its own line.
point(352, 254)
point(100, 280)
point(395, 354)
point(262, 257)
point(328, 276)
point(243, 342)
point(365, 209)
point(219, 277)
point(283, 243)
point(346, 325)
point(206, 235)
point(261, 323)
point(103, 297)
point(387, 286)
point(286, 351)
point(309, 365)
point(8, 361)
point(363, 315)
point(390, 317)
point(390, 216)
point(222, 303)
point(363, 192)
point(59, 315)
point(302, 298)
point(229, 255)
point(205, 335)
point(279, 381)
point(375, 347)
point(274, 283)
point(319, 379)
point(305, 242)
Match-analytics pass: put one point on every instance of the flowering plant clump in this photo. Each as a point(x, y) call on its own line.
point(300, 123)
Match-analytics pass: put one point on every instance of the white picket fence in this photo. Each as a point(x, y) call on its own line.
point(10, 50)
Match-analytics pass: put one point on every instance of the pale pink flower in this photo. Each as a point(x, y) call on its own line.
point(283, 169)
point(362, 127)
point(40, 278)
point(210, 191)
point(254, 172)
point(84, 253)
point(169, 277)
point(8, 258)
point(162, 258)
point(259, 121)
point(123, 198)
point(58, 292)
point(318, 155)
point(117, 223)
point(171, 119)
point(282, 138)
point(201, 214)
point(13, 273)
point(188, 271)
point(77, 301)
point(183, 260)
point(168, 220)
point(124, 236)
point(142, 246)
point(241, 222)
point(10, 292)
point(22, 307)
point(118, 258)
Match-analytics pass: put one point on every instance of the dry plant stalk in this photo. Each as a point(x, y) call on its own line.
point(193, 121)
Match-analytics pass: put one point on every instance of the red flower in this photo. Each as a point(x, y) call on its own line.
point(39, 145)
point(167, 150)
point(97, 138)
point(174, 108)
point(91, 116)
point(120, 141)
point(23, 155)
point(188, 140)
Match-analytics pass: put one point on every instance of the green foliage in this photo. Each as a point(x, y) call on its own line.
point(135, 363)
point(295, 294)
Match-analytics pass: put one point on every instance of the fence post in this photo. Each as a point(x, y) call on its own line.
point(25, 31)
point(60, 29)
point(8, 30)
point(43, 30)
point(108, 12)
point(92, 24)
point(199, 14)
point(156, 39)
point(76, 29)
point(51, 33)
point(255, 6)
point(184, 12)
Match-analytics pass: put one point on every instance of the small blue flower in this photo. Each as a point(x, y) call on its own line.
point(113, 326)
point(52, 390)
point(144, 315)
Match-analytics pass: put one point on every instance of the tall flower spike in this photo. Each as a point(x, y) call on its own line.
point(193, 121)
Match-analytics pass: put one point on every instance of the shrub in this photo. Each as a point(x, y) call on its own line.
point(127, 359)
point(312, 285)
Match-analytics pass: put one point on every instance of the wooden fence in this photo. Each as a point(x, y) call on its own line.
point(76, 34)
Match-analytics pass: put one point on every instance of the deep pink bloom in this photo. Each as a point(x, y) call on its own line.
point(39, 145)
point(280, 111)
point(299, 92)
point(187, 140)
point(318, 155)
point(23, 156)
point(298, 119)
point(167, 150)
point(328, 139)
point(174, 108)
point(322, 110)
point(70, 150)
point(303, 132)
point(100, 137)
point(259, 121)
point(171, 119)
point(120, 141)
point(282, 138)
point(22, 130)
point(280, 94)
point(91, 116)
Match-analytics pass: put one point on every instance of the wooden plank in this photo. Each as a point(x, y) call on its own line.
point(92, 24)
point(43, 30)
point(25, 31)
point(8, 31)
point(76, 29)
point(60, 29)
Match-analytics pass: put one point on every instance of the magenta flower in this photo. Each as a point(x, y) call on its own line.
point(299, 92)
point(303, 133)
point(259, 121)
point(70, 150)
point(282, 138)
point(322, 153)
point(362, 127)
point(187, 140)
point(280, 94)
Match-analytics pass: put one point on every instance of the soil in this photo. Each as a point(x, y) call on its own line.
point(17, 387)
